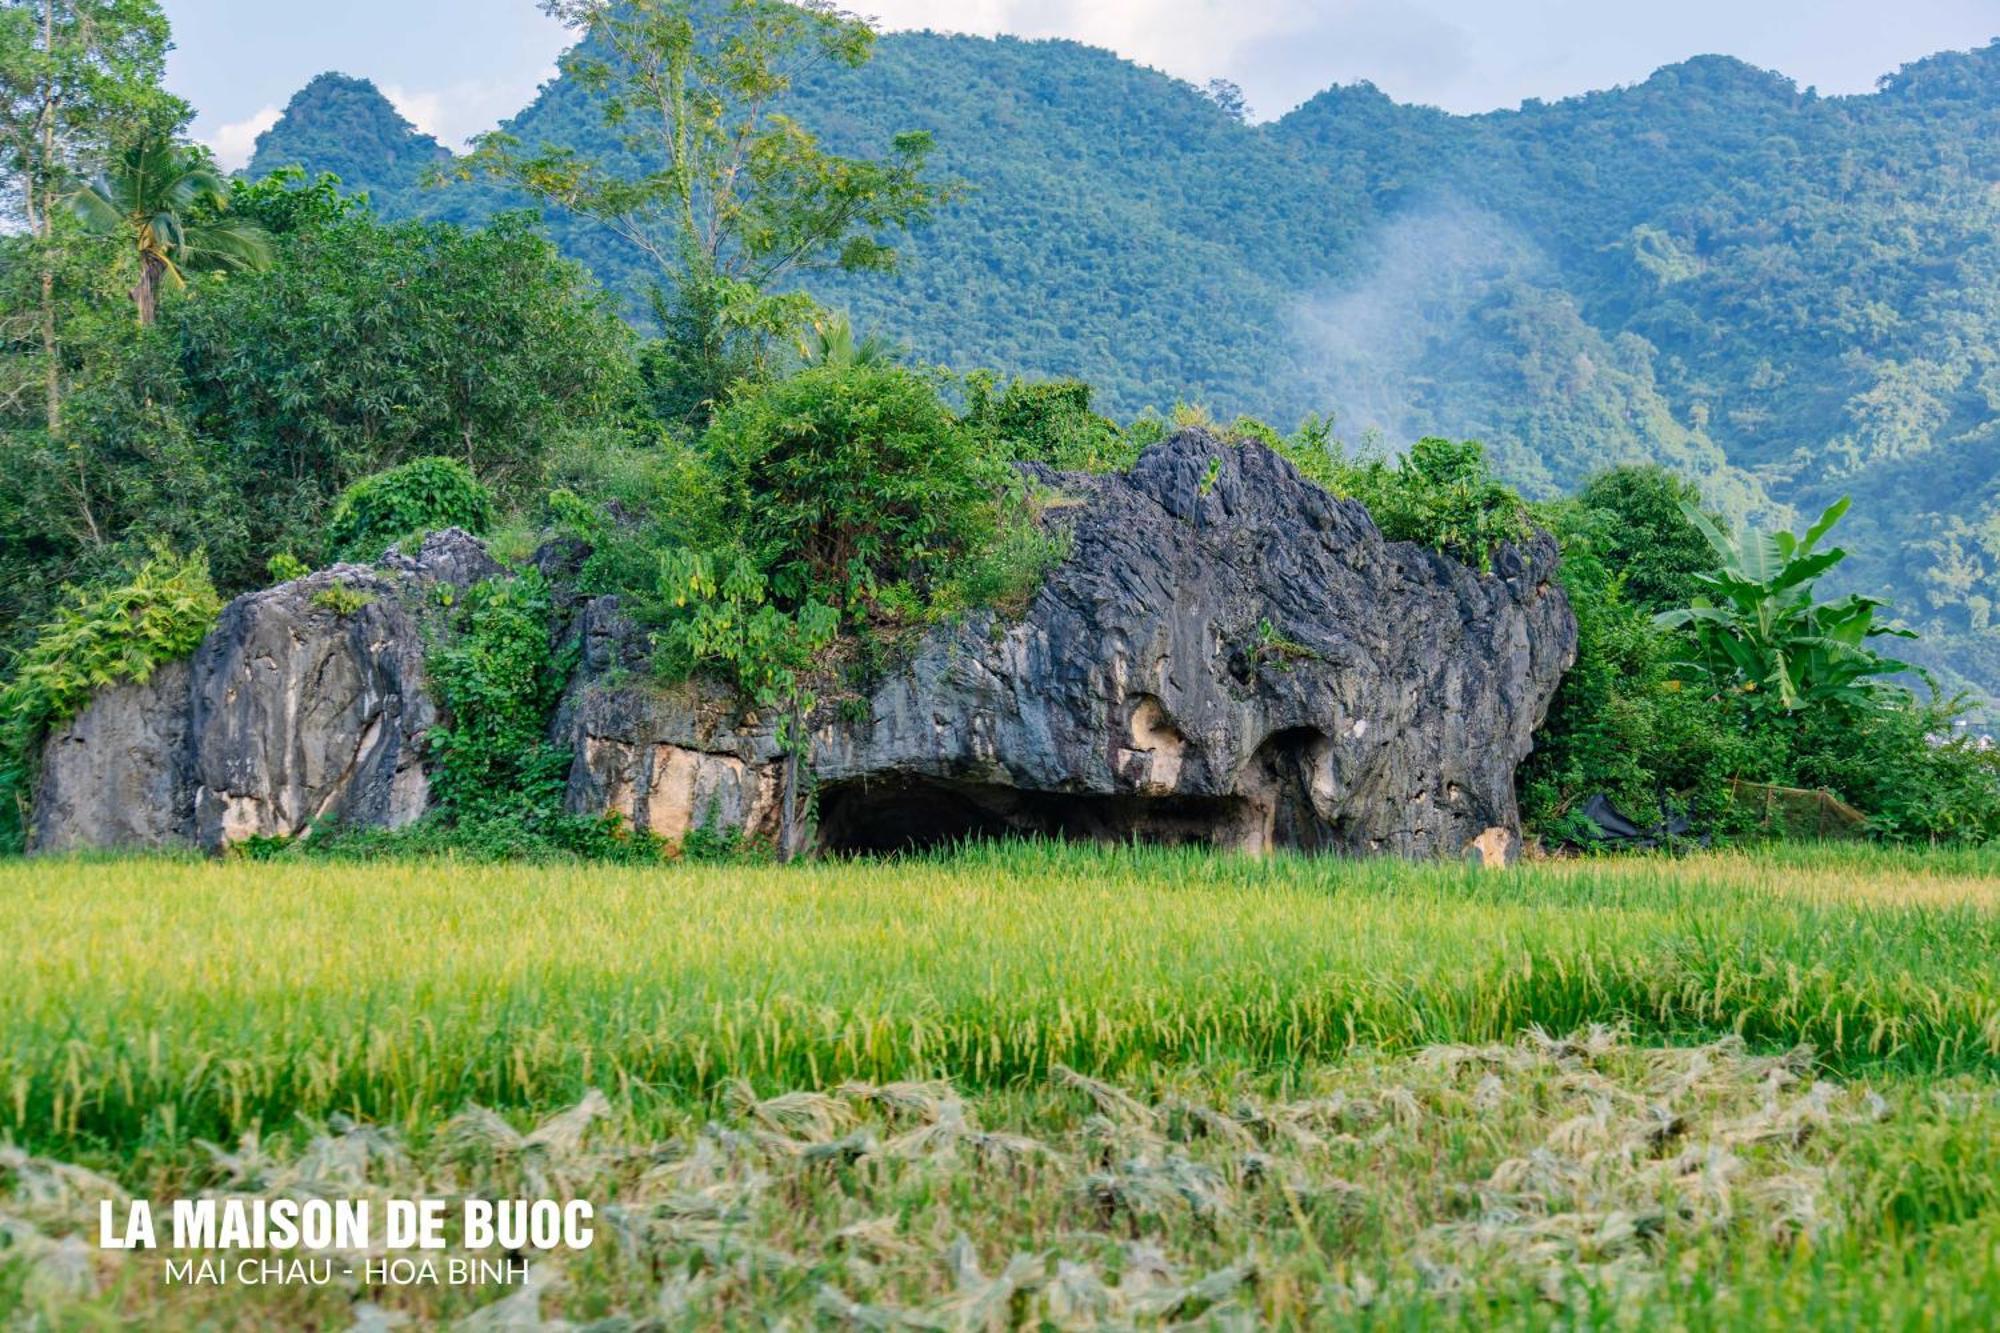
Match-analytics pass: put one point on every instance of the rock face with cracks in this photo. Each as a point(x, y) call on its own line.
point(305, 703)
point(1228, 656)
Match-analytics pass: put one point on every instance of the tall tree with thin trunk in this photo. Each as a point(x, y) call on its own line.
point(77, 77)
point(728, 197)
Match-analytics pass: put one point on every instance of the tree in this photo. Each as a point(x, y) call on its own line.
point(1649, 540)
point(76, 78)
point(169, 206)
point(1760, 634)
point(1228, 96)
point(725, 195)
point(366, 346)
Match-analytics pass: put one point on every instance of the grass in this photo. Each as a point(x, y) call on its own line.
point(153, 1005)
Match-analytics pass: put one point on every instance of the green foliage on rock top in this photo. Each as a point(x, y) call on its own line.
point(408, 501)
point(847, 481)
point(98, 637)
point(1443, 495)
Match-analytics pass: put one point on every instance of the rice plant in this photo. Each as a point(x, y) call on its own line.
point(1040, 1083)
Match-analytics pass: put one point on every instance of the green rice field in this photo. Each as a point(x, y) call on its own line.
point(1034, 1086)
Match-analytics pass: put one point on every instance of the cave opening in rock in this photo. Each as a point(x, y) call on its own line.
point(880, 818)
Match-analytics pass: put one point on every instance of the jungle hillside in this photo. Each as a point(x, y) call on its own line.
point(1783, 296)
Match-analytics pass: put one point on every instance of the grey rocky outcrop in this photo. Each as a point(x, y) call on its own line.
point(305, 703)
point(116, 777)
point(1228, 655)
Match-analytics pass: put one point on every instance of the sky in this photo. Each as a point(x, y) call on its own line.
point(456, 67)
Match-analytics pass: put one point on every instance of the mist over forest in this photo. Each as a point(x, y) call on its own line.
point(1784, 296)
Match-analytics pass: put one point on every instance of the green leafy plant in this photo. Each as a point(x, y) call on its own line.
point(497, 682)
point(1443, 495)
point(342, 598)
point(1272, 648)
point(843, 480)
point(100, 636)
point(418, 497)
point(1209, 477)
point(284, 567)
point(1759, 632)
point(1620, 724)
point(1046, 421)
point(725, 622)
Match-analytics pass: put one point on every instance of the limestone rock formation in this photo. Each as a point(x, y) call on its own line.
point(306, 702)
point(1229, 655)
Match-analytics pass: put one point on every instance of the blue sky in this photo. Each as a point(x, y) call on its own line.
point(458, 66)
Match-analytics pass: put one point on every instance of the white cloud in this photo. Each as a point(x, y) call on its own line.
point(455, 113)
point(235, 142)
point(1191, 39)
point(425, 110)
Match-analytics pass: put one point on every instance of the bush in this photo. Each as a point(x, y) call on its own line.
point(1441, 495)
point(497, 682)
point(1903, 763)
point(1046, 421)
point(99, 637)
point(844, 480)
point(1647, 537)
point(1619, 723)
point(418, 497)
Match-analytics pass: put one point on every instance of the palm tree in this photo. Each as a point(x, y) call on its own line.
point(831, 341)
point(168, 202)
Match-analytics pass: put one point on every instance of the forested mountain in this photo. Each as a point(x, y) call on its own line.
point(1785, 296)
point(346, 126)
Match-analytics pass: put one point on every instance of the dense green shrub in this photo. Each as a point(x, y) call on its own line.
point(726, 622)
point(1619, 723)
point(497, 681)
point(843, 483)
point(1630, 721)
point(1047, 421)
point(1646, 536)
point(1907, 765)
point(1443, 495)
point(418, 497)
point(100, 636)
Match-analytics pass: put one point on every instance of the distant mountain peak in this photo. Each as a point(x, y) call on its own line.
point(346, 125)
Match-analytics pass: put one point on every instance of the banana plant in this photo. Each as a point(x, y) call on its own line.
point(1759, 632)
